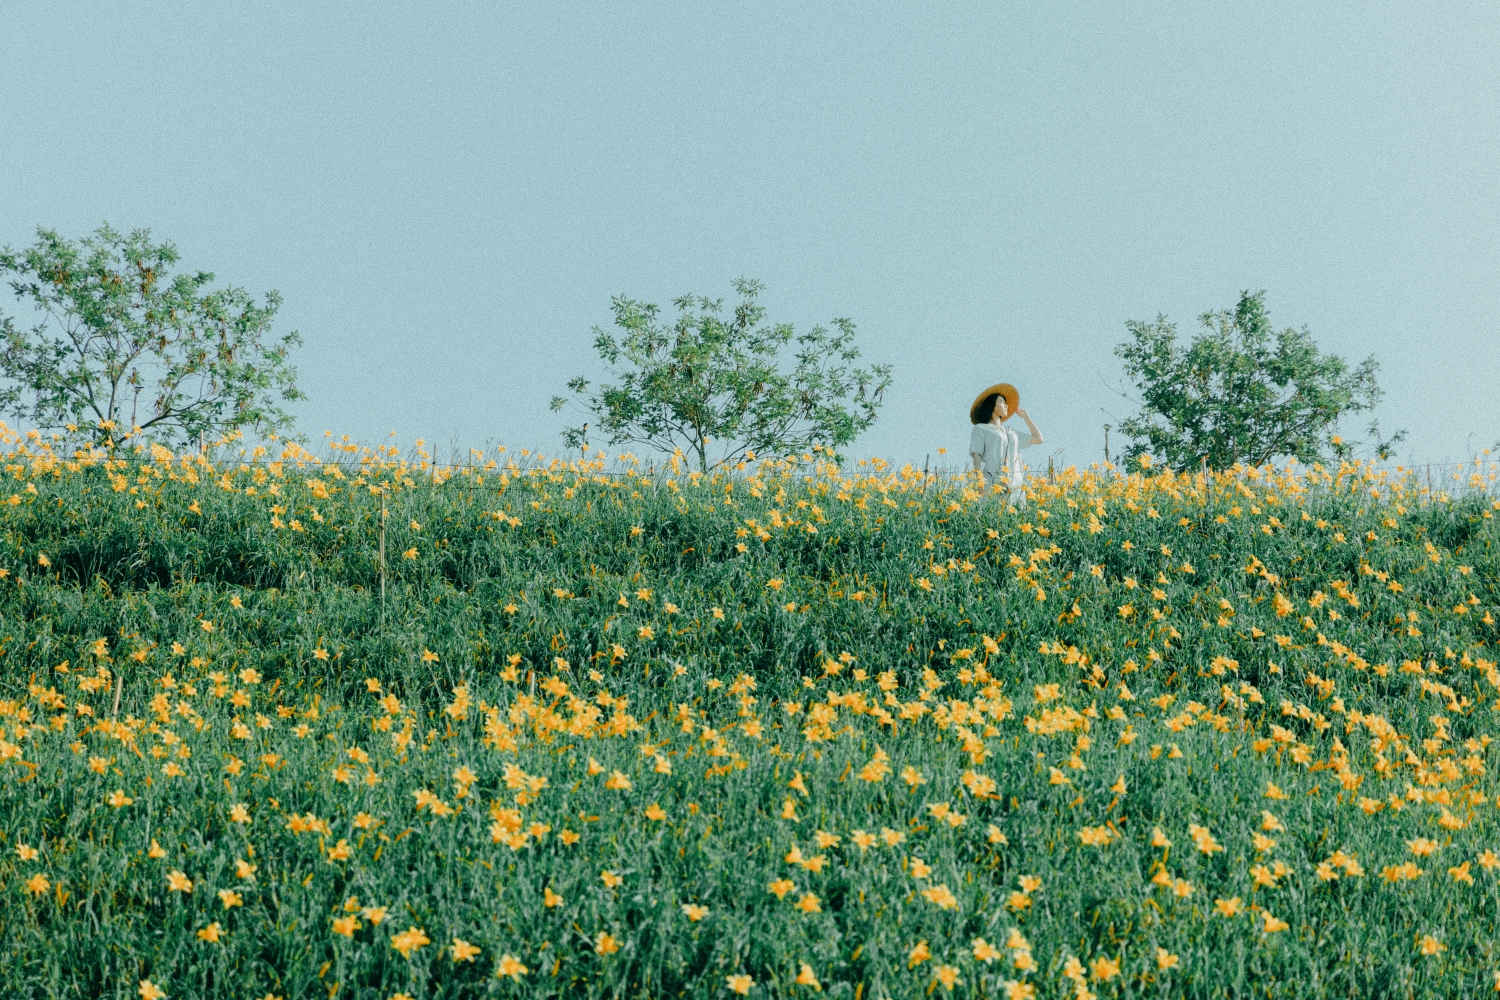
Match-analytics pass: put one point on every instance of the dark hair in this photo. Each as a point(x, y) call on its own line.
point(986, 411)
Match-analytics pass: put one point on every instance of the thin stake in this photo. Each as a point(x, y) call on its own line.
point(382, 560)
point(114, 714)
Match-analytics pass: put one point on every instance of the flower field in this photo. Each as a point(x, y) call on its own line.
point(353, 725)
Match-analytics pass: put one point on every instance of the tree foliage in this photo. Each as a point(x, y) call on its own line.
point(1241, 392)
point(718, 389)
point(122, 346)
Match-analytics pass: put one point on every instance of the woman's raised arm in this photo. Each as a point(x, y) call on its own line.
point(1036, 434)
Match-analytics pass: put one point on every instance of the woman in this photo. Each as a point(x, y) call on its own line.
point(994, 446)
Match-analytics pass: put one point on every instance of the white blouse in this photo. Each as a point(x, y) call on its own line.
point(1000, 448)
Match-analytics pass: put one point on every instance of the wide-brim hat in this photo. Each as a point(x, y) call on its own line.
point(1005, 389)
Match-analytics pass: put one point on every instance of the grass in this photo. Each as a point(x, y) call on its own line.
point(785, 732)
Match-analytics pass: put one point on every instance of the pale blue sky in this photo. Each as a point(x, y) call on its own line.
point(448, 195)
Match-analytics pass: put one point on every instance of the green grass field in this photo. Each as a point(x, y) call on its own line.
point(783, 733)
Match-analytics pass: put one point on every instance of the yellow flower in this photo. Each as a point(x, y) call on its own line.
point(512, 967)
point(919, 954)
point(119, 799)
point(1422, 847)
point(38, 884)
point(150, 991)
point(178, 882)
point(617, 782)
point(211, 933)
point(607, 944)
point(1273, 924)
point(610, 879)
point(155, 850)
point(806, 977)
point(809, 903)
point(346, 926)
point(1203, 840)
point(1429, 945)
point(739, 984)
point(550, 898)
point(694, 912)
point(1229, 907)
point(1166, 960)
point(1096, 836)
point(984, 951)
point(947, 975)
point(463, 951)
point(26, 852)
point(941, 897)
point(374, 914)
point(781, 887)
point(1404, 872)
point(409, 941)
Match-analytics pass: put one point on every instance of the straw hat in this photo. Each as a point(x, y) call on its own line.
point(1005, 389)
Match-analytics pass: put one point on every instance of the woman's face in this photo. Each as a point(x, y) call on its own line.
point(1001, 411)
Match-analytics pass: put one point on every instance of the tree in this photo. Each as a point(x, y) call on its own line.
point(121, 346)
point(1242, 393)
point(707, 383)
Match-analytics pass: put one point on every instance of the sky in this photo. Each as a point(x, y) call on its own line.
point(448, 196)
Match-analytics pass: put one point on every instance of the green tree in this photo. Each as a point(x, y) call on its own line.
point(120, 346)
point(1241, 392)
point(711, 385)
